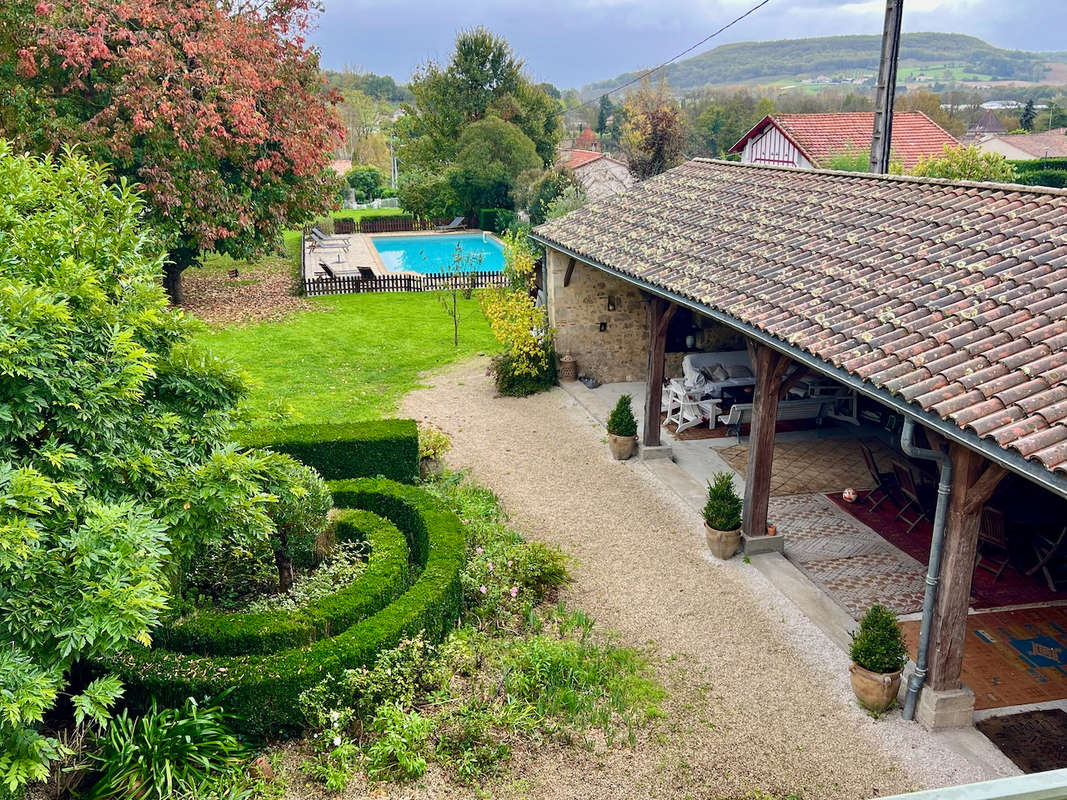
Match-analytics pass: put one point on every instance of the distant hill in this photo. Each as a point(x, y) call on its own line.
point(943, 56)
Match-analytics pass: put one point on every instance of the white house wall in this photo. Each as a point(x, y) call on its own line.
point(772, 147)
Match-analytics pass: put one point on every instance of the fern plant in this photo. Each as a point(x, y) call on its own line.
point(878, 645)
point(722, 511)
point(622, 421)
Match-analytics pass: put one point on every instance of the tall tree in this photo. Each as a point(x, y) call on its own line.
point(482, 78)
point(653, 135)
point(1026, 119)
point(215, 108)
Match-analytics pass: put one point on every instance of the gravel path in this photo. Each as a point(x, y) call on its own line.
point(758, 698)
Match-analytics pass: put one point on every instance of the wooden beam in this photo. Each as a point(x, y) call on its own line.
point(769, 366)
point(984, 487)
point(660, 312)
point(791, 381)
point(949, 629)
point(569, 272)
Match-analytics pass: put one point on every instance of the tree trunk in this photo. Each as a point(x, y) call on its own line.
point(285, 571)
point(180, 257)
point(172, 283)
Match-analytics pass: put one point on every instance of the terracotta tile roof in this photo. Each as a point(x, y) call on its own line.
point(951, 296)
point(821, 136)
point(579, 158)
point(1050, 143)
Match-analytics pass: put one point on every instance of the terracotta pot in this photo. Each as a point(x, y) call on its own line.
point(723, 544)
point(622, 447)
point(876, 691)
point(772, 530)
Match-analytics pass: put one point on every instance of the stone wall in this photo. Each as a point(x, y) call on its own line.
point(617, 353)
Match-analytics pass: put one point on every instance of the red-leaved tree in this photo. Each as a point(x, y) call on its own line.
point(216, 108)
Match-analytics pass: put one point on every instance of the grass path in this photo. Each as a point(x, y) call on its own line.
point(353, 359)
point(748, 713)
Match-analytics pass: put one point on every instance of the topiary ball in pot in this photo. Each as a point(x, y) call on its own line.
point(878, 657)
point(722, 516)
point(622, 429)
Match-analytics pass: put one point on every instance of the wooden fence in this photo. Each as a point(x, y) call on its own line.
point(344, 226)
point(354, 284)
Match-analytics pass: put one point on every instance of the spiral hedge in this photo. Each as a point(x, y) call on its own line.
point(261, 686)
point(385, 577)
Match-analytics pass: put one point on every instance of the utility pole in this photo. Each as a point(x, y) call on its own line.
point(882, 137)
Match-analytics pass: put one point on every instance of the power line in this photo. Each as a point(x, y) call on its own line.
point(671, 60)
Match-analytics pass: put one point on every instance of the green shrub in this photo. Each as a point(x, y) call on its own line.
point(265, 687)
point(622, 421)
point(399, 752)
point(166, 753)
point(389, 448)
point(384, 578)
point(369, 219)
point(878, 645)
point(722, 511)
point(495, 219)
point(514, 384)
point(1055, 178)
point(433, 442)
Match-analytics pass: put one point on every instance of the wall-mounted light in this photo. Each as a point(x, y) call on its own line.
point(611, 303)
point(603, 326)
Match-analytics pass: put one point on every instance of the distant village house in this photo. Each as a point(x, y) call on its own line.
point(812, 140)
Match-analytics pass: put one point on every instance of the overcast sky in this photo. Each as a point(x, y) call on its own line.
point(573, 42)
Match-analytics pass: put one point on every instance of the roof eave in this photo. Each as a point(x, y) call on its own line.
point(1009, 459)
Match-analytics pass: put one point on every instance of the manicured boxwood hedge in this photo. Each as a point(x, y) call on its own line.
point(388, 447)
point(263, 689)
point(385, 577)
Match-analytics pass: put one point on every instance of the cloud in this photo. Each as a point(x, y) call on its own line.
point(573, 42)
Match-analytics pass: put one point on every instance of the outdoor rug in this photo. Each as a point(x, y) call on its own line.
point(1035, 741)
point(846, 559)
point(815, 465)
point(1012, 588)
point(1012, 658)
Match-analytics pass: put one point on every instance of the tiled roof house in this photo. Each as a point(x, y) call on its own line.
point(1026, 146)
point(945, 299)
point(812, 140)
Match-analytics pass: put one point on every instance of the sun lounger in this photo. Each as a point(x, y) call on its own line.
point(317, 242)
point(455, 225)
point(326, 268)
point(325, 237)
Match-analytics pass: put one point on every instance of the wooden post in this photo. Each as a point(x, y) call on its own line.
point(769, 366)
point(660, 312)
point(971, 487)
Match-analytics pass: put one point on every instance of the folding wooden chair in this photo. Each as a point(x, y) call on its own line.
point(1048, 549)
point(992, 536)
point(912, 500)
point(883, 481)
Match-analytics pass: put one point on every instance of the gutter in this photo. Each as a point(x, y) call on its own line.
point(1012, 461)
point(933, 570)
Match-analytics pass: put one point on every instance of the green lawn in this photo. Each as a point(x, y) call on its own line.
point(353, 362)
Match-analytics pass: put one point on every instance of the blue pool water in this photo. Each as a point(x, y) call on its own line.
point(434, 253)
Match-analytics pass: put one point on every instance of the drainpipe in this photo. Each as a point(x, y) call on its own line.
point(933, 571)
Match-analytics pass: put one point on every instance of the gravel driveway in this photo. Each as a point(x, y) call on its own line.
point(758, 700)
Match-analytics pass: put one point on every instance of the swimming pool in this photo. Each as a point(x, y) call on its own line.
point(434, 253)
